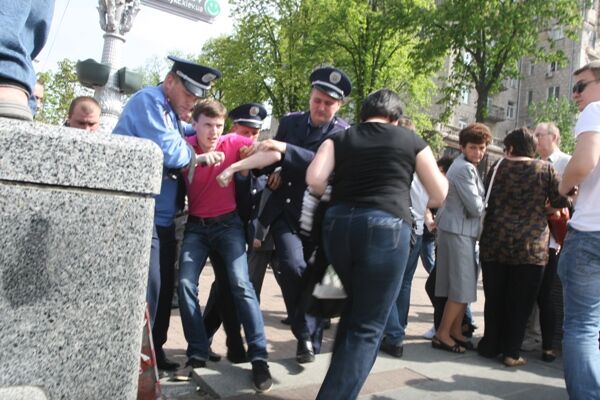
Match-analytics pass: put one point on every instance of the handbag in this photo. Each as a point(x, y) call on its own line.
point(327, 296)
point(557, 222)
point(487, 198)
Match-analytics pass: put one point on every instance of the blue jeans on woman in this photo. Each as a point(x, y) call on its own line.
point(579, 272)
point(25, 25)
point(395, 328)
point(368, 249)
point(227, 238)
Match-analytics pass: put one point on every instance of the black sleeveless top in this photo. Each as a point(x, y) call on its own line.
point(374, 166)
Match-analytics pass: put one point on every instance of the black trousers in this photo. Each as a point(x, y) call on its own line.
point(510, 293)
point(546, 301)
point(167, 257)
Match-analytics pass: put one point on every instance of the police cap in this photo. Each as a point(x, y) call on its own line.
point(249, 114)
point(195, 77)
point(332, 81)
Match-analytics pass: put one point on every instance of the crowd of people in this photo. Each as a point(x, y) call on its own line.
point(385, 191)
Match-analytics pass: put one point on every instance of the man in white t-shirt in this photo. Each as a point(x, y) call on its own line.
point(579, 264)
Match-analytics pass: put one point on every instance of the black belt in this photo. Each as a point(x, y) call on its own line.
point(211, 220)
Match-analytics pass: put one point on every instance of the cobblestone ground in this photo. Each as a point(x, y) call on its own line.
point(281, 342)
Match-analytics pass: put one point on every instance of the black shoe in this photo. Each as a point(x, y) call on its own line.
point(195, 363)
point(261, 377)
point(163, 363)
point(548, 355)
point(212, 356)
point(468, 329)
point(394, 350)
point(286, 321)
point(304, 352)
point(237, 358)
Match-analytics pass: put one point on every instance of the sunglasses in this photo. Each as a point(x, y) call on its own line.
point(580, 86)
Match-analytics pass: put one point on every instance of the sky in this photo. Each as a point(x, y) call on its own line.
point(75, 33)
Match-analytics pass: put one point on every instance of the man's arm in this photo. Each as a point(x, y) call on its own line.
point(584, 160)
point(144, 117)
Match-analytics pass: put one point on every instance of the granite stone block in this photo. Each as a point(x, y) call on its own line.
point(75, 240)
point(61, 156)
point(22, 393)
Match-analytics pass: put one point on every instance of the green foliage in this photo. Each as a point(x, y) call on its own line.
point(561, 111)
point(60, 88)
point(277, 43)
point(485, 39)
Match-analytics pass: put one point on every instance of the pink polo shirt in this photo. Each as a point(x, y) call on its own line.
point(206, 198)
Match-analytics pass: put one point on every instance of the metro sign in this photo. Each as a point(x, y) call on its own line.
point(196, 10)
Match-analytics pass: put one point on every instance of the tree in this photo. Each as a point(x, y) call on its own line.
point(485, 39)
point(372, 41)
point(60, 88)
point(277, 43)
point(561, 111)
point(267, 58)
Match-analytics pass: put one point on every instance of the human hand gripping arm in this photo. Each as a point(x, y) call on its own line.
point(585, 158)
point(433, 180)
point(259, 159)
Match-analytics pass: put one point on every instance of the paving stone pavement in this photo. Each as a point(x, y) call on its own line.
point(423, 373)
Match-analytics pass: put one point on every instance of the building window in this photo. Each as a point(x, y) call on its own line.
point(531, 68)
point(553, 92)
point(464, 96)
point(462, 123)
point(490, 103)
point(512, 83)
point(510, 110)
point(529, 97)
point(553, 66)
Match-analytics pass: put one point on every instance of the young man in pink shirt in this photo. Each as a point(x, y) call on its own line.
point(214, 226)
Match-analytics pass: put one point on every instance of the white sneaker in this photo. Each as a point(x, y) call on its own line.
point(530, 344)
point(430, 333)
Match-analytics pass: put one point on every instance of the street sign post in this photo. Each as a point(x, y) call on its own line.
point(196, 10)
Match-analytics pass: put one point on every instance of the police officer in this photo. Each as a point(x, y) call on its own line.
point(247, 121)
point(298, 137)
point(159, 113)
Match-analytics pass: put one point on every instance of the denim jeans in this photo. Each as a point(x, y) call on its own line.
point(428, 253)
point(579, 272)
point(368, 249)
point(25, 25)
point(228, 240)
point(395, 328)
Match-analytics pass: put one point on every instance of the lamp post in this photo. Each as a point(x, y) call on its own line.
point(116, 19)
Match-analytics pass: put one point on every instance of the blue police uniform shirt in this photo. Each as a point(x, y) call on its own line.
point(303, 140)
point(149, 115)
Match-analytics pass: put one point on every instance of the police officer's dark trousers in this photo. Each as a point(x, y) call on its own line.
point(168, 254)
point(292, 252)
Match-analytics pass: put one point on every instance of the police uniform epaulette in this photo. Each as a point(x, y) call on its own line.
point(341, 123)
point(293, 113)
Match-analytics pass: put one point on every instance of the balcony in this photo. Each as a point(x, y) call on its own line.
point(495, 114)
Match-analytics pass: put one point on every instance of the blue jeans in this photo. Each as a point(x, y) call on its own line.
point(25, 25)
point(395, 329)
point(227, 238)
point(579, 272)
point(368, 249)
point(428, 253)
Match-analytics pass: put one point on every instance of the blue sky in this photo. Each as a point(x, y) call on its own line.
point(75, 34)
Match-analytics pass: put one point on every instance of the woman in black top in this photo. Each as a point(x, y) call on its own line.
point(366, 229)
